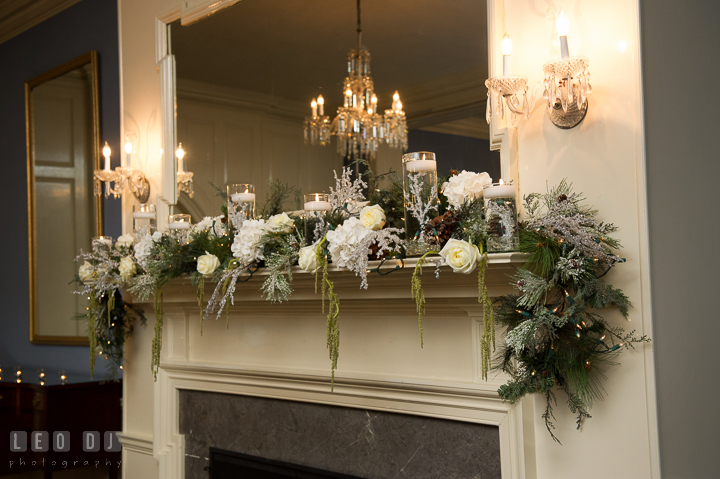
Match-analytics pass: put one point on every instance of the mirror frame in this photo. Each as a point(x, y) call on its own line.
point(88, 58)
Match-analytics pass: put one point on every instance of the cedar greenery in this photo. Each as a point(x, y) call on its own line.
point(555, 336)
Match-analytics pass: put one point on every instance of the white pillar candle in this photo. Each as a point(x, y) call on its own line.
point(499, 191)
point(243, 197)
point(179, 226)
point(144, 214)
point(506, 48)
point(317, 206)
point(103, 240)
point(417, 166)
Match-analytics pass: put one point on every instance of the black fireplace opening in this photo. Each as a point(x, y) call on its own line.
point(234, 465)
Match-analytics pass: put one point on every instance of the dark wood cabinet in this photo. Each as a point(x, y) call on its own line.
point(74, 408)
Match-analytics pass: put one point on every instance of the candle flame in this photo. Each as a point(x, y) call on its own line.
point(317, 197)
point(246, 190)
point(502, 182)
point(562, 24)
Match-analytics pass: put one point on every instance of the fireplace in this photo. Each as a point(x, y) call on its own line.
point(232, 465)
point(275, 439)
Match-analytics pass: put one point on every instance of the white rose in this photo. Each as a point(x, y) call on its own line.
point(127, 268)
point(207, 264)
point(125, 240)
point(461, 256)
point(86, 272)
point(465, 186)
point(372, 217)
point(280, 223)
point(157, 236)
point(308, 258)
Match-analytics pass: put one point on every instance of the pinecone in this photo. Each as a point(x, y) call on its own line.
point(441, 227)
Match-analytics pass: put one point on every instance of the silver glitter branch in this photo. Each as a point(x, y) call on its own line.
point(386, 240)
point(346, 191)
point(414, 202)
point(220, 296)
point(506, 216)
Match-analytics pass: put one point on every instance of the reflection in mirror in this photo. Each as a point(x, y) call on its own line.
point(63, 131)
point(246, 77)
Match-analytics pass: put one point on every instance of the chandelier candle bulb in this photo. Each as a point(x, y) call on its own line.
point(313, 105)
point(563, 26)
point(321, 105)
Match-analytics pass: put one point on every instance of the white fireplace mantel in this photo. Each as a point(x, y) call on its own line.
point(278, 351)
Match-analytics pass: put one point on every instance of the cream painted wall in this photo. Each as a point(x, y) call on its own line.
point(604, 158)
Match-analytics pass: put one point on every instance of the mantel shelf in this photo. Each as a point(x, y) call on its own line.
point(393, 283)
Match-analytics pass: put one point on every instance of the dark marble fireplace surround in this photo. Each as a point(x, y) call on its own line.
point(364, 443)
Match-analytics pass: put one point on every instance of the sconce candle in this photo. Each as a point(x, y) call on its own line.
point(180, 153)
point(106, 151)
point(316, 205)
point(313, 105)
point(321, 105)
point(506, 48)
point(563, 26)
point(128, 152)
point(501, 217)
point(18, 374)
point(241, 202)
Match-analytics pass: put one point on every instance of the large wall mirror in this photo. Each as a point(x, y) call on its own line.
point(63, 145)
point(246, 75)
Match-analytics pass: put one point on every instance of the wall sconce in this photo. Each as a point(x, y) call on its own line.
point(121, 176)
point(184, 178)
point(567, 82)
point(508, 89)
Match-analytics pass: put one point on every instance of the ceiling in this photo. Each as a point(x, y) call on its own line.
point(297, 49)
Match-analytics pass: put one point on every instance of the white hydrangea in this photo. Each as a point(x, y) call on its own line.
point(213, 224)
point(142, 249)
point(343, 240)
point(245, 246)
point(157, 236)
point(465, 186)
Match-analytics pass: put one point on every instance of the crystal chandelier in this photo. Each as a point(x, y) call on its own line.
point(358, 126)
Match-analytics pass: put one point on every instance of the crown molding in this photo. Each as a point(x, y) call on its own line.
point(19, 16)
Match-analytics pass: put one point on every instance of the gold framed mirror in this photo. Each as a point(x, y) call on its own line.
point(62, 109)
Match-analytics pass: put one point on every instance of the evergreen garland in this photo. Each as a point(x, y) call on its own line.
point(555, 335)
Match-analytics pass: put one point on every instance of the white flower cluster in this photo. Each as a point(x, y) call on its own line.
point(465, 186)
point(209, 223)
point(343, 240)
point(246, 246)
point(144, 245)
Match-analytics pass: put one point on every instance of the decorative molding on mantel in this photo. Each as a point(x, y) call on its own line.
point(137, 444)
point(392, 285)
point(17, 17)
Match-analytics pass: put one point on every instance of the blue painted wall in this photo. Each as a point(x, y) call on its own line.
point(88, 25)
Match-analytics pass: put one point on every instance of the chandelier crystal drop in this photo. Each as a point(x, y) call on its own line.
point(358, 126)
